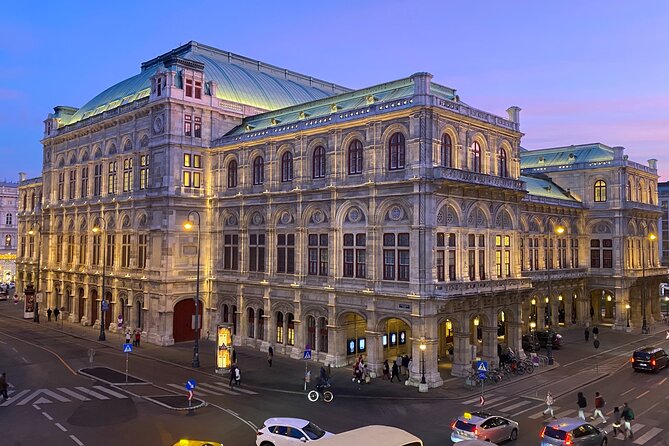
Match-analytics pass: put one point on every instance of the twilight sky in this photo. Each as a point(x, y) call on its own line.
point(582, 71)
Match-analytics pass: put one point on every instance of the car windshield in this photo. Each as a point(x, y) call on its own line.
point(314, 432)
point(642, 355)
point(464, 426)
point(555, 433)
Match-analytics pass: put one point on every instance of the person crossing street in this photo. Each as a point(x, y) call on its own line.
point(599, 404)
point(582, 404)
point(549, 404)
point(627, 416)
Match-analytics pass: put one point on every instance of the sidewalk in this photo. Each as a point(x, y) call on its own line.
point(286, 374)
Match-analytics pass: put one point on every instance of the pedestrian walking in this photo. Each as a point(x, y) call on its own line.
point(616, 421)
point(627, 416)
point(395, 373)
point(238, 377)
point(56, 312)
point(599, 404)
point(233, 374)
point(595, 332)
point(587, 334)
point(398, 361)
point(128, 334)
point(48, 315)
point(582, 404)
point(405, 365)
point(549, 404)
point(4, 385)
point(386, 369)
point(138, 336)
point(270, 355)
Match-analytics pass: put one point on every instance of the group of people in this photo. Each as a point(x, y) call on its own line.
point(55, 313)
point(622, 419)
point(400, 367)
point(360, 372)
point(135, 336)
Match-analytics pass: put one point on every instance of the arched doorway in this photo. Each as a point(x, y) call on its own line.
point(138, 315)
point(81, 304)
point(396, 333)
point(356, 343)
point(562, 313)
point(182, 322)
point(94, 306)
point(108, 311)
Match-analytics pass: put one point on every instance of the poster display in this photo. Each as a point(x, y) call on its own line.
point(224, 347)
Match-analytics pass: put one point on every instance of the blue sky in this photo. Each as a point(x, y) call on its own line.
point(595, 71)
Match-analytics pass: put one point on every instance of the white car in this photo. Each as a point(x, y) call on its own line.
point(289, 431)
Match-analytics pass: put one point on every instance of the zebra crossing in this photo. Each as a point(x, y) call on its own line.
point(218, 388)
point(60, 395)
point(515, 406)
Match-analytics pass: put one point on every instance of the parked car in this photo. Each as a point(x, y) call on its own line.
point(530, 343)
point(287, 431)
point(483, 426)
point(544, 336)
point(572, 432)
point(649, 359)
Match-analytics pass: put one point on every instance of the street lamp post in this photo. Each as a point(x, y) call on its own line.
point(666, 307)
point(196, 346)
point(103, 242)
point(644, 323)
point(559, 230)
point(39, 258)
point(422, 347)
point(627, 307)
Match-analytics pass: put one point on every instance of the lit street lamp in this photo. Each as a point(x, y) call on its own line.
point(422, 347)
point(644, 324)
point(559, 230)
point(627, 307)
point(39, 257)
point(666, 307)
point(196, 346)
point(103, 242)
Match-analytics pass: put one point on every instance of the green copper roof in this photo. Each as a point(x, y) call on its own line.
point(355, 100)
point(561, 156)
point(237, 79)
point(542, 187)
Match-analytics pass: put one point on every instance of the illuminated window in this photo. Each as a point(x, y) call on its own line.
point(187, 160)
point(127, 175)
point(600, 191)
point(396, 152)
point(143, 171)
point(111, 178)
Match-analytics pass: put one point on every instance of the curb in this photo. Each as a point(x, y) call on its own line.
point(89, 375)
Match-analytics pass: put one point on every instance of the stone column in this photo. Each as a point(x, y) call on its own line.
point(515, 335)
point(622, 298)
point(336, 346)
point(489, 353)
point(462, 356)
point(374, 353)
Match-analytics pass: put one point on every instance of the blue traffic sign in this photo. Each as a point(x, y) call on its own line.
point(190, 384)
point(482, 366)
point(127, 348)
point(307, 354)
point(482, 375)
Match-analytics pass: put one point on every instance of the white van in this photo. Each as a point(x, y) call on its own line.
point(372, 436)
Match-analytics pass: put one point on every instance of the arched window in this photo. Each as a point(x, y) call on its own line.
point(232, 174)
point(279, 327)
point(290, 330)
point(260, 317)
point(650, 194)
point(287, 167)
point(600, 191)
point(396, 152)
point(251, 325)
point(318, 162)
point(476, 157)
point(8, 219)
point(355, 157)
point(628, 191)
point(32, 201)
point(25, 201)
point(503, 169)
point(258, 170)
point(446, 150)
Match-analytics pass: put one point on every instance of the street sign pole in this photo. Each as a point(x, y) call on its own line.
point(126, 367)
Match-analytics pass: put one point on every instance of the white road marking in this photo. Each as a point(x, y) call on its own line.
point(45, 392)
point(92, 393)
point(627, 391)
point(25, 360)
point(514, 406)
point(73, 394)
point(14, 398)
point(76, 440)
point(61, 427)
point(645, 393)
point(662, 382)
point(566, 413)
point(209, 388)
point(110, 391)
point(48, 417)
point(648, 435)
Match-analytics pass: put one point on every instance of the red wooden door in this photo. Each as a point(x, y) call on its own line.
point(182, 325)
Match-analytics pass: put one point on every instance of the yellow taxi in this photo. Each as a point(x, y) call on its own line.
point(185, 442)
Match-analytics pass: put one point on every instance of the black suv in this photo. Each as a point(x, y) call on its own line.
point(650, 359)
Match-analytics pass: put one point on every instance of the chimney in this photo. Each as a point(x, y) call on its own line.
point(22, 177)
point(618, 152)
point(652, 163)
point(514, 114)
point(421, 83)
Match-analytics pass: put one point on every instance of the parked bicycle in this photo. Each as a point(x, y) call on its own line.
point(320, 392)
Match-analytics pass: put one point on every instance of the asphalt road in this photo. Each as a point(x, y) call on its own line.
point(52, 404)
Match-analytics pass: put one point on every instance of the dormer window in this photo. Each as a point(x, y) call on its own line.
point(189, 88)
point(193, 88)
point(198, 90)
point(49, 127)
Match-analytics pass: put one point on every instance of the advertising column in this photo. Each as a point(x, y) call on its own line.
point(29, 302)
point(224, 348)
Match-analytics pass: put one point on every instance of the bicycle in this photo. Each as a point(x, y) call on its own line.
point(319, 391)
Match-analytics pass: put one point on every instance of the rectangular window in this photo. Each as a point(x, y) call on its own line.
point(257, 252)
point(231, 251)
point(187, 160)
point(143, 171)
point(285, 253)
point(126, 242)
point(187, 178)
point(59, 249)
point(198, 90)
point(607, 253)
point(507, 263)
point(97, 180)
point(188, 130)
point(61, 185)
point(127, 175)
point(355, 255)
point(396, 256)
point(189, 88)
point(498, 263)
point(574, 253)
point(70, 249)
point(196, 161)
point(595, 255)
point(72, 186)
point(111, 239)
point(197, 179)
point(482, 269)
point(84, 182)
point(83, 244)
point(197, 128)
point(111, 178)
point(143, 243)
point(31, 246)
point(23, 247)
point(96, 249)
point(318, 254)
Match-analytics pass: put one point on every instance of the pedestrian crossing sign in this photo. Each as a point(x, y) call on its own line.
point(307, 354)
point(127, 348)
point(482, 366)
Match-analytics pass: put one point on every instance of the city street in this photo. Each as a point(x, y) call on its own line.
point(52, 403)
